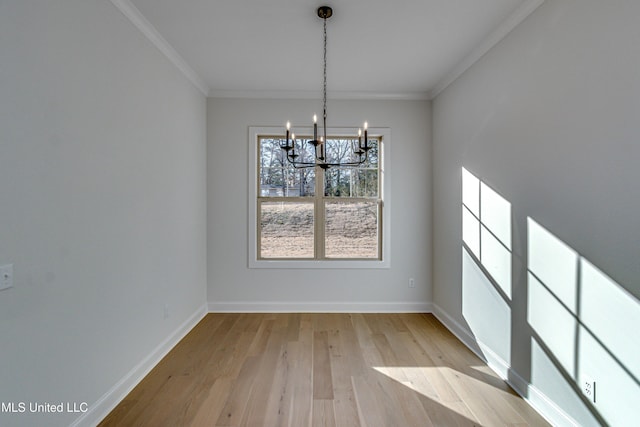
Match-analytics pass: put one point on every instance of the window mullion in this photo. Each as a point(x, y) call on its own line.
point(380, 222)
point(319, 214)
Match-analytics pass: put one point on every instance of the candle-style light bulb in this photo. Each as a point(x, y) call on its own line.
point(366, 139)
point(286, 146)
point(315, 127)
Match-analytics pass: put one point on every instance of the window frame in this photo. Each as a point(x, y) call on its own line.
point(383, 202)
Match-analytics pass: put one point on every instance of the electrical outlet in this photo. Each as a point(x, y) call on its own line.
point(6, 276)
point(412, 283)
point(588, 387)
point(166, 311)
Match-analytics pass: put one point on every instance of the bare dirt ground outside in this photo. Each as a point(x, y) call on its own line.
point(351, 230)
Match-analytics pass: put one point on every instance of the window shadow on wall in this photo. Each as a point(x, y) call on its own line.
point(586, 324)
point(486, 266)
point(583, 325)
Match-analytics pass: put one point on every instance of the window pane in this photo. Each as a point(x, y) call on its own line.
point(351, 182)
point(343, 150)
point(286, 230)
point(278, 178)
point(351, 229)
point(338, 182)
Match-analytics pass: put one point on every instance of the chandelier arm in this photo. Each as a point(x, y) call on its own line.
point(296, 162)
point(302, 165)
point(348, 164)
point(359, 162)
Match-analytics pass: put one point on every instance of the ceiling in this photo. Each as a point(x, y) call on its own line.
point(376, 48)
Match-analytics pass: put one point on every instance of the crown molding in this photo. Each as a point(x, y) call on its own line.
point(311, 94)
point(141, 23)
point(519, 15)
point(145, 27)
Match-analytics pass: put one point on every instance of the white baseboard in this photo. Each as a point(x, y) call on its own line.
point(320, 307)
point(538, 400)
point(105, 404)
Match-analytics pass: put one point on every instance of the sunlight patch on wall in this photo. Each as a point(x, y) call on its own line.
point(587, 325)
point(547, 377)
point(609, 345)
point(485, 310)
point(486, 264)
point(495, 214)
point(471, 232)
point(552, 322)
point(553, 262)
point(486, 229)
point(612, 314)
point(496, 258)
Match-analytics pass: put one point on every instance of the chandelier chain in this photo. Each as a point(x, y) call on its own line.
point(324, 87)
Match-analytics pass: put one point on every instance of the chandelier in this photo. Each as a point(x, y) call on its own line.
point(295, 153)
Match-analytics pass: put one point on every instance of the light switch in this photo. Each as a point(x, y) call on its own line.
point(6, 276)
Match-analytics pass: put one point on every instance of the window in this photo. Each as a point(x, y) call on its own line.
point(313, 217)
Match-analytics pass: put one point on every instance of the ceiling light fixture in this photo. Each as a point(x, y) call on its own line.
point(295, 151)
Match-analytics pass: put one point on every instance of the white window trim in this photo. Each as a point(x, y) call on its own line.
point(254, 262)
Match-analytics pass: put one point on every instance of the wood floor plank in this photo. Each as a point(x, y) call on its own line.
point(262, 336)
point(274, 357)
point(410, 403)
point(323, 413)
point(304, 370)
point(236, 403)
point(293, 327)
point(280, 395)
point(213, 404)
point(450, 414)
point(368, 411)
point(322, 379)
point(301, 380)
point(362, 330)
point(418, 367)
point(345, 358)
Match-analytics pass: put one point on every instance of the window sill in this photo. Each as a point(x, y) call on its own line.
point(319, 264)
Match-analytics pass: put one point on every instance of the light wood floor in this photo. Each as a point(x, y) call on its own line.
point(322, 370)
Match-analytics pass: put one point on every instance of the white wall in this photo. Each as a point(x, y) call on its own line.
point(548, 119)
point(102, 206)
point(233, 286)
